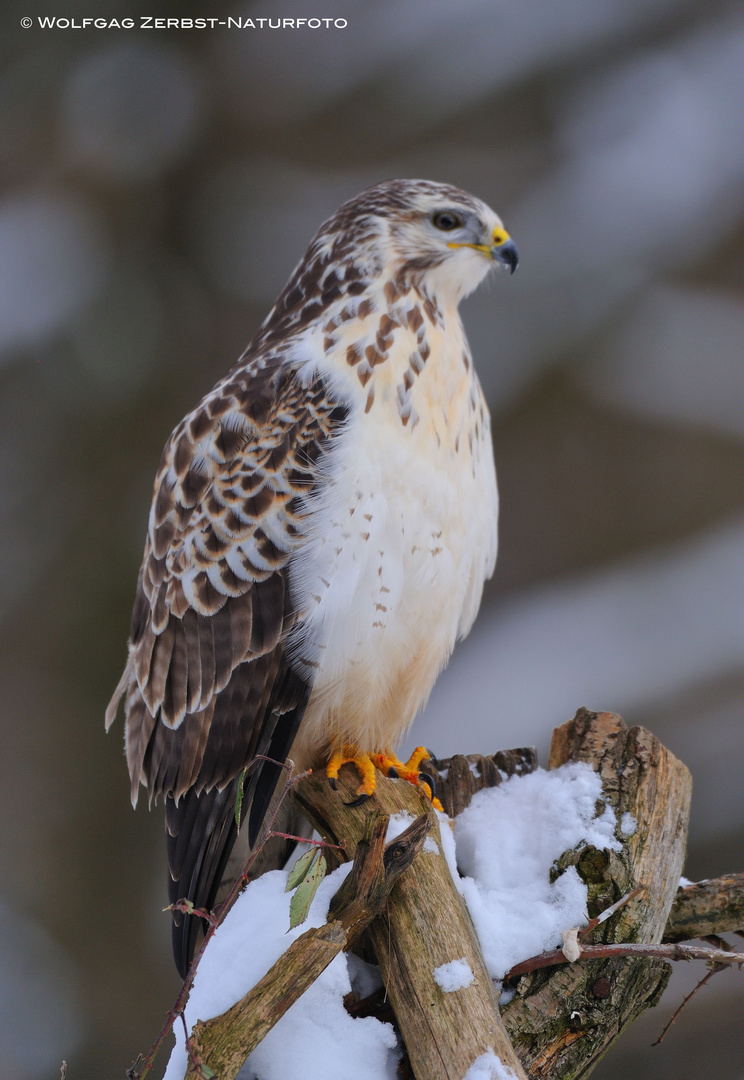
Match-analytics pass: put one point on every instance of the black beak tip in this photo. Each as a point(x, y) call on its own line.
point(507, 255)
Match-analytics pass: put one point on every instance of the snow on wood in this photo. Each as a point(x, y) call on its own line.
point(453, 976)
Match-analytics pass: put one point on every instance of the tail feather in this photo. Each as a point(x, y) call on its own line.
point(200, 833)
point(201, 827)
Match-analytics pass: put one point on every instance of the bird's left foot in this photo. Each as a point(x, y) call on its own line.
point(388, 764)
point(410, 770)
point(363, 765)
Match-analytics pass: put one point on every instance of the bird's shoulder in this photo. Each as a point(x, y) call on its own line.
point(228, 478)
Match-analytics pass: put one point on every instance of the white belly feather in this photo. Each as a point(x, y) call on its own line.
point(391, 571)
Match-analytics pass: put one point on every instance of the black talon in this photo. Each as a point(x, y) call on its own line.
point(430, 781)
point(393, 772)
point(332, 782)
point(358, 801)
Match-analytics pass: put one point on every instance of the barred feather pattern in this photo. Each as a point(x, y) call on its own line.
point(211, 596)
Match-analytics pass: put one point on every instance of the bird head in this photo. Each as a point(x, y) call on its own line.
point(418, 228)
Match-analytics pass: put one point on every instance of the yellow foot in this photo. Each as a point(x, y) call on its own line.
point(362, 763)
point(390, 765)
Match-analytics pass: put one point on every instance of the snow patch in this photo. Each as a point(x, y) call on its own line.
point(454, 976)
point(508, 839)
point(685, 883)
point(365, 978)
point(628, 825)
point(489, 1067)
point(447, 838)
point(398, 824)
point(315, 1037)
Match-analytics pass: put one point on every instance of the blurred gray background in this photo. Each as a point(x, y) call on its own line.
point(159, 187)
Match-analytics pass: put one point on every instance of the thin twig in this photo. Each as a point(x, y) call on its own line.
point(713, 971)
point(717, 943)
point(195, 1065)
point(605, 952)
point(187, 908)
point(607, 913)
point(305, 839)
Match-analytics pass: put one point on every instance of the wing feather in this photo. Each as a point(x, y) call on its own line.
point(159, 669)
point(241, 626)
point(190, 626)
point(267, 622)
point(205, 633)
point(173, 708)
point(208, 685)
point(223, 648)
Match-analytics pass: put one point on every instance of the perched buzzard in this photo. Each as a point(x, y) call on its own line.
point(321, 527)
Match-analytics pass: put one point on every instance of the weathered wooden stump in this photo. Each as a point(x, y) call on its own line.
point(405, 903)
point(563, 1021)
point(424, 925)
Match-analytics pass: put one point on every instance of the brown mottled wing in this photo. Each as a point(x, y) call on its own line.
point(208, 685)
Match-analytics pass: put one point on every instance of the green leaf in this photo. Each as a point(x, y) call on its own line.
point(239, 798)
point(300, 868)
point(300, 903)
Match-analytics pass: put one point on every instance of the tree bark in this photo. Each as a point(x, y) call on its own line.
point(715, 906)
point(225, 1042)
point(563, 1022)
point(458, 778)
point(424, 925)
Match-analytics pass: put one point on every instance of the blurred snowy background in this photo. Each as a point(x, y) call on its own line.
point(159, 186)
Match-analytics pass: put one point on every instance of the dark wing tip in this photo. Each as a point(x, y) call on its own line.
point(200, 833)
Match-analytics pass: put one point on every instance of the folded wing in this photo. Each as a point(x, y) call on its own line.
point(208, 685)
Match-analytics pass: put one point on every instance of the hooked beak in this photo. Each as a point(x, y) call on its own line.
point(502, 249)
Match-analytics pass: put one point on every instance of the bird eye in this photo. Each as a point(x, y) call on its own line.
point(446, 221)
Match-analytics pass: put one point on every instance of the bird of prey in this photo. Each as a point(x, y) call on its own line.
point(322, 525)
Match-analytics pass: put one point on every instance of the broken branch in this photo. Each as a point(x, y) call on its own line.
point(224, 1043)
point(715, 906)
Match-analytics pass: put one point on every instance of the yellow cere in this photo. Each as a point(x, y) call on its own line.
point(499, 237)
